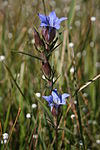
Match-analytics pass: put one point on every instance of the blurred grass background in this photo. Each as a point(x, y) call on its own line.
point(17, 19)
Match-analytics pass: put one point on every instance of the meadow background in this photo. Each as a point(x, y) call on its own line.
point(21, 77)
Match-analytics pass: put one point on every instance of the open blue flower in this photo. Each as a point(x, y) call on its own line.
point(51, 21)
point(55, 99)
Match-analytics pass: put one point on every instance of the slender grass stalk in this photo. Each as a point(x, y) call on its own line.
point(56, 132)
point(10, 73)
point(76, 96)
point(88, 83)
point(18, 114)
point(43, 1)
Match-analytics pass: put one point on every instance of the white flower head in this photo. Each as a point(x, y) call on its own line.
point(72, 69)
point(72, 116)
point(32, 41)
point(5, 141)
point(2, 57)
point(91, 44)
point(28, 115)
point(1, 141)
point(38, 94)
point(98, 141)
point(5, 136)
point(93, 18)
point(35, 136)
point(10, 35)
point(71, 45)
point(34, 106)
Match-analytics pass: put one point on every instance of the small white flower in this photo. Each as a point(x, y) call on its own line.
point(91, 44)
point(94, 122)
point(5, 136)
point(89, 121)
point(84, 109)
point(10, 35)
point(85, 94)
point(34, 106)
point(93, 18)
point(98, 141)
point(79, 54)
point(72, 69)
point(5, 141)
point(1, 141)
point(2, 58)
point(38, 94)
point(75, 102)
point(35, 136)
point(32, 41)
point(28, 115)
point(72, 116)
point(84, 53)
point(81, 142)
point(71, 45)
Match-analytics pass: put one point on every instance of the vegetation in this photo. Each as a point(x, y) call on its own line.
point(26, 120)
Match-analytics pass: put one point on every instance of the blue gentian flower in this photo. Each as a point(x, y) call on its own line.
point(55, 99)
point(51, 21)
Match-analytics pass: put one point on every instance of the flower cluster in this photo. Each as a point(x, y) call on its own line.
point(49, 25)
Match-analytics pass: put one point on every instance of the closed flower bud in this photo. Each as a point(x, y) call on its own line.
point(48, 34)
point(46, 68)
point(38, 41)
point(54, 111)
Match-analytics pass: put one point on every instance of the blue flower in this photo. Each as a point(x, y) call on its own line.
point(51, 21)
point(55, 99)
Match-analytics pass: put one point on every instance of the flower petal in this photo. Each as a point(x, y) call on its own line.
point(52, 15)
point(65, 95)
point(55, 94)
point(49, 98)
point(57, 27)
point(63, 102)
point(62, 19)
point(58, 21)
point(52, 18)
point(43, 25)
point(43, 18)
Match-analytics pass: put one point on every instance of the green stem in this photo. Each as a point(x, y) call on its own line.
point(79, 119)
point(56, 130)
point(76, 95)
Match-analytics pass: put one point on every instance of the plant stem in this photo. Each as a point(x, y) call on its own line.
point(56, 130)
point(76, 95)
point(80, 123)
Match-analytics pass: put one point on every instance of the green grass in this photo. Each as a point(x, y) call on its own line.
point(21, 76)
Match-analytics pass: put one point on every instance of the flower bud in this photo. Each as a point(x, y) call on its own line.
point(54, 111)
point(46, 68)
point(48, 34)
point(38, 41)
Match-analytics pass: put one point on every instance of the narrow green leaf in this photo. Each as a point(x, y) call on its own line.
point(71, 13)
point(27, 54)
